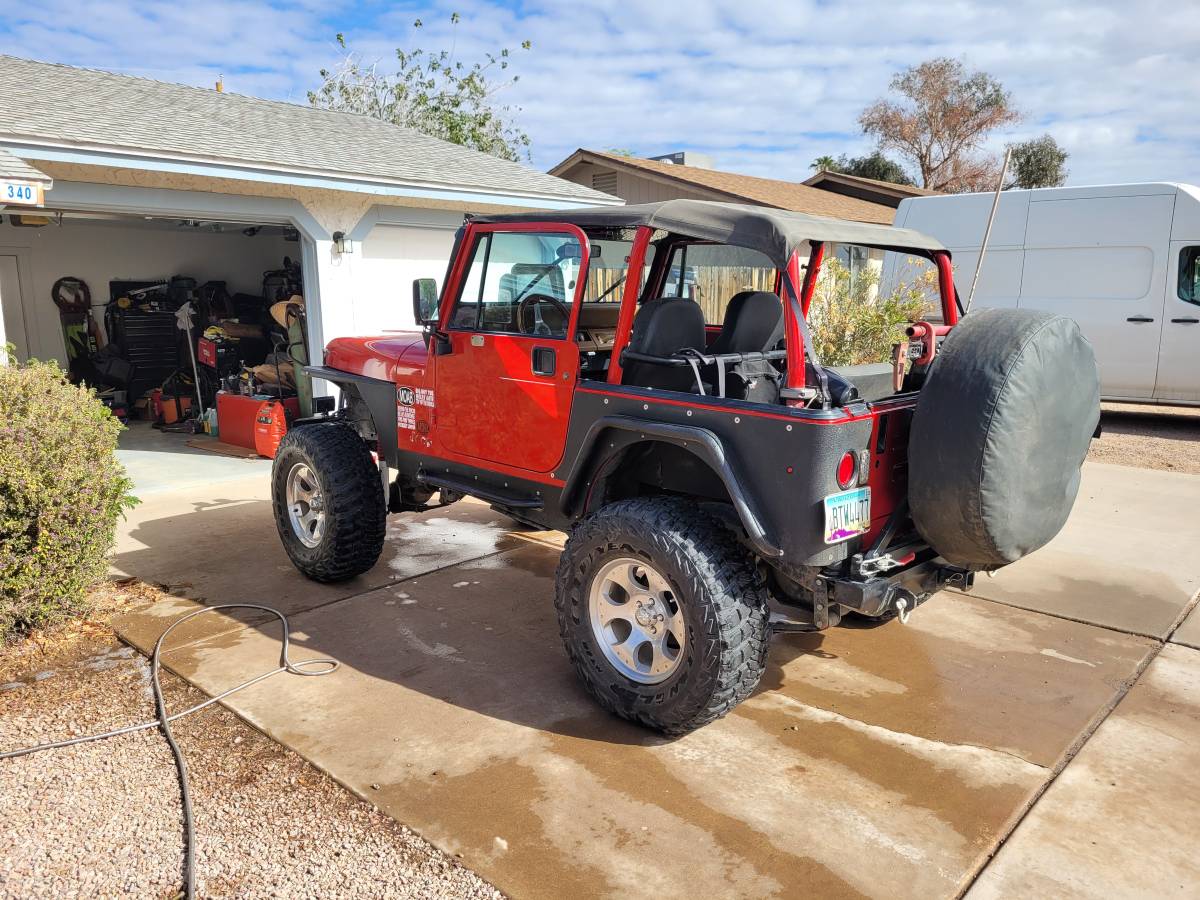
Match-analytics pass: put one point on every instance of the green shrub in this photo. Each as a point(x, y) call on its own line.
point(61, 492)
point(852, 326)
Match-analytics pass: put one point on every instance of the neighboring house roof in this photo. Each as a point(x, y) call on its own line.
point(872, 189)
point(51, 105)
point(742, 188)
point(16, 169)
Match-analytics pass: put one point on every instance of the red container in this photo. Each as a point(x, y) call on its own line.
point(237, 417)
point(270, 426)
point(206, 352)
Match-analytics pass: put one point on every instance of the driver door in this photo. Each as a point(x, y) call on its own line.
point(503, 392)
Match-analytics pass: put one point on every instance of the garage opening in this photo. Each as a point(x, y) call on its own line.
point(191, 330)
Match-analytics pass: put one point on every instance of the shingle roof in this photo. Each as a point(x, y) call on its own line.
point(11, 167)
point(764, 191)
point(47, 103)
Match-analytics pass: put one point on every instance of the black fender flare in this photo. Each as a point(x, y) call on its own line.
point(621, 432)
point(380, 398)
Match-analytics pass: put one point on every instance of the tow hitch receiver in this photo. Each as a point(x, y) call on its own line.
point(901, 591)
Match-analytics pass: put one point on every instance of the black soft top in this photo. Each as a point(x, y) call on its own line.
point(774, 232)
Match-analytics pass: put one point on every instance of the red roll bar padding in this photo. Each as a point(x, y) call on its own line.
point(946, 287)
point(633, 286)
point(795, 340)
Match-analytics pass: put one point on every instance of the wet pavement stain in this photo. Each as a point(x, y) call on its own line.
point(874, 761)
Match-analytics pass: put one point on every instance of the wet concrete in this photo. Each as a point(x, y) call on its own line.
point(1125, 560)
point(1122, 819)
point(873, 761)
point(218, 544)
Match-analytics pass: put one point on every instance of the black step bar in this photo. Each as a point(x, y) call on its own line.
point(483, 491)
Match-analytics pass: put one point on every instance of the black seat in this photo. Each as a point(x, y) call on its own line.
point(753, 322)
point(663, 327)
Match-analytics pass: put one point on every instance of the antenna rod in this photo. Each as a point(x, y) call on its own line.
point(987, 233)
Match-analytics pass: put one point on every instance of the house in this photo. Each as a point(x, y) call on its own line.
point(123, 182)
point(684, 176)
point(884, 193)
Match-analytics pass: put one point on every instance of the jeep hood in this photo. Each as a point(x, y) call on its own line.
point(377, 357)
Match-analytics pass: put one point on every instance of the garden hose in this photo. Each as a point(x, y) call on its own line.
point(164, 721)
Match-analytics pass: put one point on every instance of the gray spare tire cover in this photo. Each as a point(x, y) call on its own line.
point(1000, 432)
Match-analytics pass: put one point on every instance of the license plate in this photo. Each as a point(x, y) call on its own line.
point(847, 514)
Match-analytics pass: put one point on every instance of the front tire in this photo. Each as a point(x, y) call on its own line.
point(328, 502)
point(663, 614)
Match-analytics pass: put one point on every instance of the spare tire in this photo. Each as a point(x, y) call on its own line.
point(1001, 428)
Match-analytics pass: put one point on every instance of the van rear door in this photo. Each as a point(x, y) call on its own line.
point(1100, 261)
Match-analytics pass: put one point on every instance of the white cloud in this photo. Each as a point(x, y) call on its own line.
point(763, 87)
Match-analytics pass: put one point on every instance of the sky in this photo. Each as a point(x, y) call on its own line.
point(762, 87)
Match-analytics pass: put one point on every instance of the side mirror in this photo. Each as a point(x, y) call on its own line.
point(425, 301)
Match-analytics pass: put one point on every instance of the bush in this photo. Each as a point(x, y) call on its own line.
point(852, 326)
point(61, 492)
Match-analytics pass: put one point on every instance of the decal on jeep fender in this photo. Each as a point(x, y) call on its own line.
point(406, 413)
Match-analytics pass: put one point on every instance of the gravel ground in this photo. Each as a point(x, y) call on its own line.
point(103, 819)
point(1149, 437)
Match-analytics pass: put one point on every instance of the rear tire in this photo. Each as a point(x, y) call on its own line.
point(328, 502)
point(716, 602)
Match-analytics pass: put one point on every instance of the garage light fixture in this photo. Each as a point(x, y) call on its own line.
point(341, 243)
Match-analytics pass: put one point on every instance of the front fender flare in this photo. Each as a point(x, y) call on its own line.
point(380, 398)
point(620, 432)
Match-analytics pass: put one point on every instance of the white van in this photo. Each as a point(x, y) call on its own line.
point(1122, 260)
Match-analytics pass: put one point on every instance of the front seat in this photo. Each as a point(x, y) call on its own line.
point(663, 327)
point(753, 323)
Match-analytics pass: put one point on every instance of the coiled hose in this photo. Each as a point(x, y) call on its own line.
point(164, 721)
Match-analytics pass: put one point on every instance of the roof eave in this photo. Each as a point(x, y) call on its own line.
point(244, 170)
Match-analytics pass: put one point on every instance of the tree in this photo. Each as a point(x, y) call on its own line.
point(875, 166)
point(825, 164)
point(1037, 163)
point(940, 121)
point(433, 93)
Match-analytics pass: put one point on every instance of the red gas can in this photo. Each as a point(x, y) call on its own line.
point(270, 425)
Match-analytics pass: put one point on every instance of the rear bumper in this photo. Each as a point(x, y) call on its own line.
point(878, 595)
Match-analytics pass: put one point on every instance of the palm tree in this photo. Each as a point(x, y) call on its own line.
point(824, 164)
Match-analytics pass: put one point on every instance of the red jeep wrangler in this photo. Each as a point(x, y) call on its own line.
point(703, 470)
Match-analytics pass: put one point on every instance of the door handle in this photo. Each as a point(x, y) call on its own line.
point(1139, 319)
point(544, 361)
point(1186, 321)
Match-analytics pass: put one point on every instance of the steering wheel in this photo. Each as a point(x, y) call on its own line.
point(534, 302)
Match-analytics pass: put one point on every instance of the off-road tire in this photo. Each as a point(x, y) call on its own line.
point(356, 517)
point(721, 593)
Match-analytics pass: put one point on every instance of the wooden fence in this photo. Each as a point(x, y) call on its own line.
point(711, 287)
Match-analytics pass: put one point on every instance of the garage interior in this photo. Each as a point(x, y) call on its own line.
point(107, 294)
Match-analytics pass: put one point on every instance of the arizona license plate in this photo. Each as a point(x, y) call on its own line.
point(847, 514)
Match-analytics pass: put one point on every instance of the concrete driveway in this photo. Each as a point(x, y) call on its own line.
point(876, 761)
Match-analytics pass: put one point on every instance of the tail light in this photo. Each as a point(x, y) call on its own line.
point(847, 469)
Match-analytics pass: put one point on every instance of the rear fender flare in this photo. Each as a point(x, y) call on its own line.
point(380, 399)
point(612, 434)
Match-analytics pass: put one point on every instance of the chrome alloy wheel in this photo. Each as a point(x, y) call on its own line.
point(306, 506)
point(636, 620)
